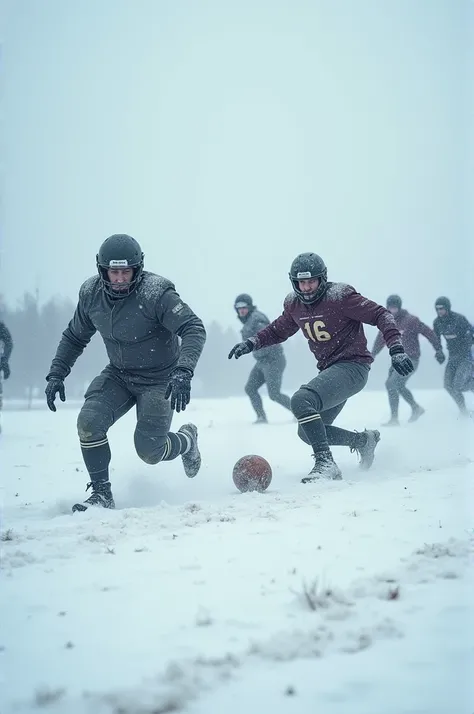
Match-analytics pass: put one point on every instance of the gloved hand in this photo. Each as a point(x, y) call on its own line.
point(179, 388)
point(440, 356)
point(242, 348)
point(401, 362)
point(55, 386)
point(5, 368)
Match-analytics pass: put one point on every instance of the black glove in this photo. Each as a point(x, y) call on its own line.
point(5, 368)
point(242, 348)
point(179, 388)
point(55, 386)
point(401, 362)
point(439, 356)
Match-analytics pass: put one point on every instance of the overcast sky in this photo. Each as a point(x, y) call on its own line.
point(229, 135)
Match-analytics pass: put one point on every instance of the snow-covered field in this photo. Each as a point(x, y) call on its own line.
point(353, 597)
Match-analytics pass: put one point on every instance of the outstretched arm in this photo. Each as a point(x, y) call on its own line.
point(358, 307)
point(430, 335)
point(277, 331)
point(379, 344)
point(75, 339)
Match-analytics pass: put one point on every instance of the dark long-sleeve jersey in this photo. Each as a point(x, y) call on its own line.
point(333, 326)
point(458, 333)
point(140, 331)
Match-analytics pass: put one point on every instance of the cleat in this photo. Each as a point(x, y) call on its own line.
point(324, 467)
point(192, 459)
point(365, 447)
point(392, 422)
point(417, 412)
point(101, 496)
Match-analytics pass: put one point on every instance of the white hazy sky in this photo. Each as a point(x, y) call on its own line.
point(228, 136)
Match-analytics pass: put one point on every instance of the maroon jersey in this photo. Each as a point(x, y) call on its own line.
point(410, 328)
point(333, 326)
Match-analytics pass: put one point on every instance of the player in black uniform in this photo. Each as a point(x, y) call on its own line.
point(458, 333)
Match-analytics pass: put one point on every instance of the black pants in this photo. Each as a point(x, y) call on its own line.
point(317, 404)
point(111, 395)
point(396, 388)
point(457, 378)
point(271, 374)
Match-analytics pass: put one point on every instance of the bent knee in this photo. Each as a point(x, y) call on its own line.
point(91, 424)
point(150, 458)
point(302, 402)
point(150, 449)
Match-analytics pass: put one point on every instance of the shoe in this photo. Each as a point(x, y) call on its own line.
point(261, 420)
point(365, 444)
point(101, 496)
point(192, 458)
point(392, 422)
point(416, 413)
point(324, 466)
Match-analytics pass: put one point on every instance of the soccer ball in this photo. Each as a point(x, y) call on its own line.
point(252, 473)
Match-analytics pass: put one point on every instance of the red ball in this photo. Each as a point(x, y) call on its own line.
point(252, 473)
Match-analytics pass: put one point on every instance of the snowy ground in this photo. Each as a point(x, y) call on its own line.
point(191, 597)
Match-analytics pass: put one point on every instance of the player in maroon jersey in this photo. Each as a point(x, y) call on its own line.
point(330, 316)
point(410, 328)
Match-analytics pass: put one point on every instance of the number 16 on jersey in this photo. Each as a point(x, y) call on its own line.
point(315, 332)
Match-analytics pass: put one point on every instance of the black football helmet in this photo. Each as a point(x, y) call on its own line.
point(304, 267)
point(394, 301)
point(120, 251)
point(244, 300)
point(443, 302)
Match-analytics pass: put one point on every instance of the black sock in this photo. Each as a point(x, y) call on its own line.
point(96, 455)
point(315, 431)
point(177, 444)
point(340, 437)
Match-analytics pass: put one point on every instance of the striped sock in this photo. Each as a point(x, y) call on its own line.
point(177, 444)
point(96, 455)
point(313, 427)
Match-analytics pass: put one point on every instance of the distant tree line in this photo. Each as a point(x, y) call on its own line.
point(36, 330)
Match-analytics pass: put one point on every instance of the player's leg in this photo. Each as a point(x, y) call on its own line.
point(329, 389)
point(273, 373)
point(364, 442)
point(460, 383)
point(255, 380)
point(333, 433)
point(154, 442)
point(451, 383)
point(106, 400)
point(407, 395)
point(392, 387)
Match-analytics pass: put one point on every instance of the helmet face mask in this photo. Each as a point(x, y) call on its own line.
point(119, 253)
point(309, 267)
